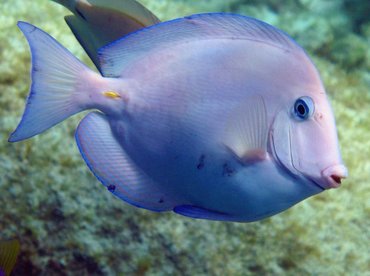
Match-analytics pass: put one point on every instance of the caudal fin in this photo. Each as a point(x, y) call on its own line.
point(56, 82)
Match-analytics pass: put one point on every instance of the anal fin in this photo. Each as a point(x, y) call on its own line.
point(115, 169)
point(201, 213)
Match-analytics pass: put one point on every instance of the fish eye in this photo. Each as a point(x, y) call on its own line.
point(303, 108)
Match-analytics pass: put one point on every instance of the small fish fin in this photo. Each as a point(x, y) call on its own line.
point(100, 22)
point(85, 37)
point(56, 76)
point(9, 251)
point(201, 213)
point(114, 168)
point(125, 9)
point(66, 3)
point(119, 54)
point(247, 131)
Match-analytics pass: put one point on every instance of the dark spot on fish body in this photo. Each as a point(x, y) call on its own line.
point(193, 21)
point(201, 163)
point(111, 188)
point(227, 170)
point(161, 200)
point(190, 17)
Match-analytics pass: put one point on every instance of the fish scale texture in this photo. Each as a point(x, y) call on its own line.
point(69, 224)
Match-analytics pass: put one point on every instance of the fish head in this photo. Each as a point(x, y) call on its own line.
point(304, 137)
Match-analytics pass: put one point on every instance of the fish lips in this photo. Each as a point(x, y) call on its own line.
point(331, 177)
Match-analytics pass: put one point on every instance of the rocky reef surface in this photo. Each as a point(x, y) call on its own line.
point(68, 224)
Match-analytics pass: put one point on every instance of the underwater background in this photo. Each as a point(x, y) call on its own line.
point(68, 223)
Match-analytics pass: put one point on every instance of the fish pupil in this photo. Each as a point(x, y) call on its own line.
point(301, 109)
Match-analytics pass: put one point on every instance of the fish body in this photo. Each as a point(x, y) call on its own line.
point(213, 116)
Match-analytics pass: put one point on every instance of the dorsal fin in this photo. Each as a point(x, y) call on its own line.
point(117, 55)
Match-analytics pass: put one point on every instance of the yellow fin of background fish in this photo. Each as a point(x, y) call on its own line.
point(96, 23)
point(9, 251)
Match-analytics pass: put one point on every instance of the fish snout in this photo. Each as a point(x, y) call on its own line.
point(333, 175)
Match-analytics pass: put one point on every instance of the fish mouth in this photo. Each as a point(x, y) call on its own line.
point(330, 178)
point(333, 175)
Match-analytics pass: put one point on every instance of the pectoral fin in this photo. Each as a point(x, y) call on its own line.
point(247, 131)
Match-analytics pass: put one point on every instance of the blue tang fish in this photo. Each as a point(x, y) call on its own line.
point(212, 116)
point(96, 23)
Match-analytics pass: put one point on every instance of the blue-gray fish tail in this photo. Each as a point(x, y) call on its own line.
point(56, 84)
